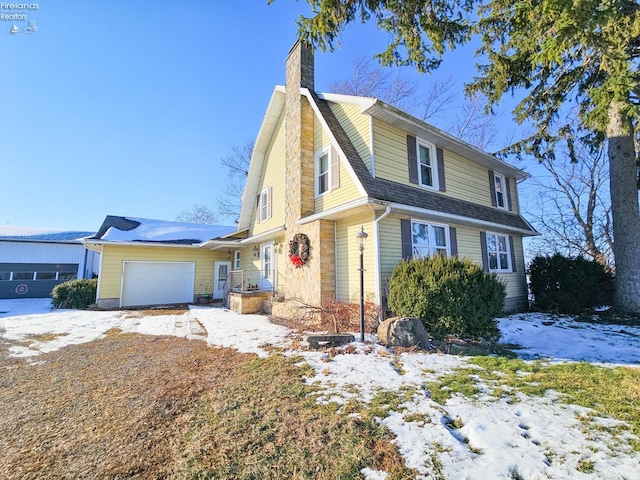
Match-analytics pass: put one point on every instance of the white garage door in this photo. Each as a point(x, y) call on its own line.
point(157, 283)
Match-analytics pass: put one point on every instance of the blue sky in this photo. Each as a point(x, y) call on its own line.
point(126, 108)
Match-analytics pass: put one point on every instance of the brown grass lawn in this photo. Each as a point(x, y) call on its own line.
point(135, 406)
point(113, 408)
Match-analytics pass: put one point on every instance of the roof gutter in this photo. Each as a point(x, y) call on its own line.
point(215, 244)
point(89, 242)
point(463, 220)
point(360, 202)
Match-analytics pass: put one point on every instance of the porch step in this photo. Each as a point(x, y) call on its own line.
point(330, 340)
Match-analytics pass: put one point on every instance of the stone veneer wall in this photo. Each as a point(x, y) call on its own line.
point(314, 282)
point(244, 303)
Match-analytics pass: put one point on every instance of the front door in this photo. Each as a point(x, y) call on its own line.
point(220, 275)
point(268, 265)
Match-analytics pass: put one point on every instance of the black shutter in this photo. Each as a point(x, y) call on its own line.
point(440, 155)
point(406, 239)
point(453, 241)
point(413, 159)
point(492, 188)
point(513, 254)
point(483, 246)
point(508, 187)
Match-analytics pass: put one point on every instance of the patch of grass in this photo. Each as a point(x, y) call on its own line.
point(585, 466)
point(30, 339)
point(610, 392)
point(456, 383)
point(265, 424)
point(609, 317)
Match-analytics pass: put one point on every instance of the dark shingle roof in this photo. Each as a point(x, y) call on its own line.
point(389, 191)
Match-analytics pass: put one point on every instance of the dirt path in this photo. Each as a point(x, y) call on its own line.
point(112, 408)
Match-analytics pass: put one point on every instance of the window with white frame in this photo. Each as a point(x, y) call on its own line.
point(429, 239)
point(427, 164)
point(264, 205)
point(323, 172)
point(500, 189)
point(498, 252)
point(236, 260)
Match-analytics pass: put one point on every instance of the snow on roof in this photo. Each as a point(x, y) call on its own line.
point(150, 230)
point(34, 234)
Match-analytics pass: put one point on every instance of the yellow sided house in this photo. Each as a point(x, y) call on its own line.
point(151, 262)
point(324, 168)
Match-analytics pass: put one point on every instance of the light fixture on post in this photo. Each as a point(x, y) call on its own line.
point(256, 251)
point(361, 236)
point(228, 254)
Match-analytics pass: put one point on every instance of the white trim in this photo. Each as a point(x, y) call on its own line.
point(334, 142)
point(216, 276)
point(509, 268)
point(326, 150)
point(360, 202)
point(376, 252)
point(145, 244)
point(237, 259)
point(503, 184)
point(264, 193)
point(274, 266)
point(459, 219)
point(433, 158)
point(371, 148)
point(262, 235)
point(362, 102)
point(432, 246)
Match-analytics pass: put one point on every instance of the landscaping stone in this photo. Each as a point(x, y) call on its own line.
point(331, 340)
point(403, 332)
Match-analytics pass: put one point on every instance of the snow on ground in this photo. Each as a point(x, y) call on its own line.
point(476, 439)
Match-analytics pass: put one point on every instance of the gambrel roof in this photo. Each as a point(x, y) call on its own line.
point(378, 191)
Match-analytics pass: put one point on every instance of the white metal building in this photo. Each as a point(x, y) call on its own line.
point(34, 260)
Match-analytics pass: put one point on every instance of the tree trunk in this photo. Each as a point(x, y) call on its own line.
point(625, 212)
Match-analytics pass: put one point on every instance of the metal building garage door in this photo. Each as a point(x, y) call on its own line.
point(157, 283)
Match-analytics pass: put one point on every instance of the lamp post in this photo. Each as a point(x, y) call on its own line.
point(361, 236)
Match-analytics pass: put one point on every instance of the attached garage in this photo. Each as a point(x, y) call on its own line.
point(157, 283)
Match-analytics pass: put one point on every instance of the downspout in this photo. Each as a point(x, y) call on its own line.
point(335, 257)
point(376, 253)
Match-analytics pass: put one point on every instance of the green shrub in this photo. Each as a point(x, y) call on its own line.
point(75, 294)
point(450, 296)
point(568, 284)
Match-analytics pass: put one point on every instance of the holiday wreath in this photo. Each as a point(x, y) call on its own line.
point(299, 249)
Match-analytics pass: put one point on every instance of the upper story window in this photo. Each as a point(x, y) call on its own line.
point(500, 190)
point(327, 171)
point(323, 172)
point(498, 252)
point(264, 205)
point(427, 165)
point(428, 239)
